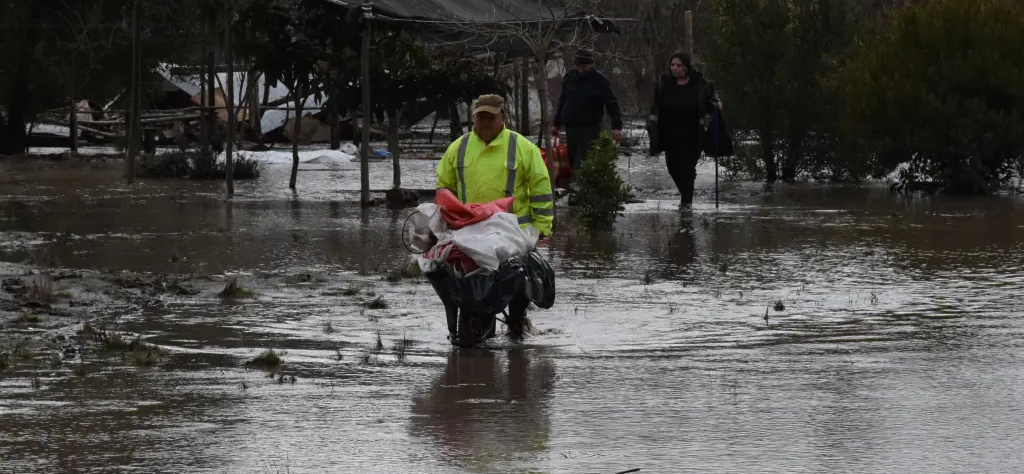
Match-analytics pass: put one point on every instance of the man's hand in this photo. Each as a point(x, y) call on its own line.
point(617, 134)
point(554, 132)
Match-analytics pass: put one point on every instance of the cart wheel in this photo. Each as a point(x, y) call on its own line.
point(474, 330)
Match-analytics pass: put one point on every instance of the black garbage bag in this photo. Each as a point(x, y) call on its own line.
point(486, 294)
point(481, 294)
point(541, 280)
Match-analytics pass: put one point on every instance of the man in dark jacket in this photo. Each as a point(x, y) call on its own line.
point(586, 94)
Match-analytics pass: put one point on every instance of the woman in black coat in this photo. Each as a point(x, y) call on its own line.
point(682, 99)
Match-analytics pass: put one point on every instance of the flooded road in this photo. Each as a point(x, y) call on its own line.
point(797, 329)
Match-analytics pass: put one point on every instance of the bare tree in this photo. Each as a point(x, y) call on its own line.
point(83, 45)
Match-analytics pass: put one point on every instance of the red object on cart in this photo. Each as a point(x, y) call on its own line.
point(563, 167)
point(458, 215)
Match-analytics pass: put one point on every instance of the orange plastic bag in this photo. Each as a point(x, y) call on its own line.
point(459, 215)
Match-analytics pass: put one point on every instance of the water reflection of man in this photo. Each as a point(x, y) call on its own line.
point(488, 408)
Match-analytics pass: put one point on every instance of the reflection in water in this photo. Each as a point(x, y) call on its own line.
point(899, 349)
point(488, 409)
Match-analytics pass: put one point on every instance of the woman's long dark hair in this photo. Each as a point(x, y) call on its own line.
point(685, 58)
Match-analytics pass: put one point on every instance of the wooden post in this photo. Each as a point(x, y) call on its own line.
point(394, 146)
point(688, 18)
point(229, 102)
point(204, 114)
point(74, 125)
point(211, 98)
point(149, 140)
point(364, 144)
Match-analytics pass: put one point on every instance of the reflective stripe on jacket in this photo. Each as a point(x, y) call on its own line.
point(510, 165)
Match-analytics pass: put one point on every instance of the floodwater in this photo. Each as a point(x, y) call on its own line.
point(897, 344)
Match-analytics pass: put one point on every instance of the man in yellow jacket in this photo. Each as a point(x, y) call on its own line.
point(493, 162)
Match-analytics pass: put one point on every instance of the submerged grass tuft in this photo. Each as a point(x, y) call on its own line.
point(328, 327)
point(41, 291)
point(267, 359)
point(132, 350)
point(377, 303)
point(401, 348)
point(234, 290)
point(779, 306)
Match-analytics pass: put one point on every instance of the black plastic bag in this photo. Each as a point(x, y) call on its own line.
point(481, 294)
point(486, 294)
point(541, 280)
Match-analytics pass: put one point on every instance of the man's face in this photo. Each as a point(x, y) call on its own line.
point(488, 125)
point(585, 68)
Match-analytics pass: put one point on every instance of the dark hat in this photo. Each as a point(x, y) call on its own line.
point(490, 103)
point(584, 57)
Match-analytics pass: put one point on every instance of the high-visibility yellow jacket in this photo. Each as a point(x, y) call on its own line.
point(478, 172)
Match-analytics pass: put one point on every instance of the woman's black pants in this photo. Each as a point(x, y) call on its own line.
point(681, 156)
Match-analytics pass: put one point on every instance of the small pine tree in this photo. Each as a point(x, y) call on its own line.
point(601, 193)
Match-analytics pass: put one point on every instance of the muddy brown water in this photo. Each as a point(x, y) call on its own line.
point(897, 346)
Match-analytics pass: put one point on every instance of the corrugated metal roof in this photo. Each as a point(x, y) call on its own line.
point(476, 11)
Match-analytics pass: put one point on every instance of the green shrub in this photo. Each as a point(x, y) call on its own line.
point(768, 59)
point(601, 193)
point(941, 89)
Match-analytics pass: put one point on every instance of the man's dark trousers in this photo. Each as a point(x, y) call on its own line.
point(578, 141)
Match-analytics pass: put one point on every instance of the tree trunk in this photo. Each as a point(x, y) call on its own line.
point(14, 140)
point(254, 106)
point(433, 128)
point(393, 146)
point(524, 97)
point(74, 125)
point(229, 102)
point(134, 125)
point(332, 119)
point(542, 85)
point(791, 160)
point(771, 170)
point(295, 137)
point(364, 145)
point(454, 124)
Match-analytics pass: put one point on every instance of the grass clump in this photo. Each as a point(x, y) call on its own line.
point(268, 359)
point(197, 165)
point(328, 327)
point(41, 291)
point(401, 348)
point(235, 291)
point(132, 350)
point(30, 318)
point(601, 193)
point(779, 306)
point(377, 303)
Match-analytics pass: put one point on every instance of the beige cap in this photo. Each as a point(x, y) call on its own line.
point(490, 103)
